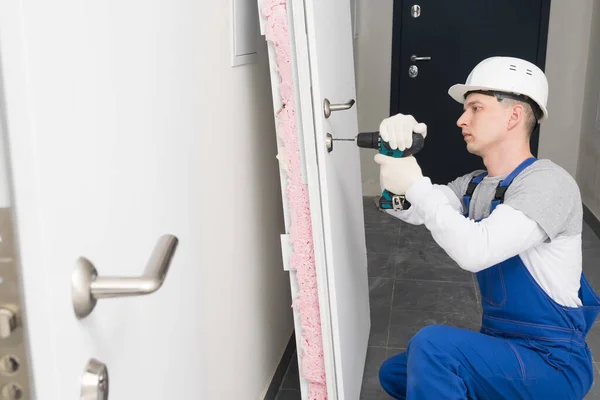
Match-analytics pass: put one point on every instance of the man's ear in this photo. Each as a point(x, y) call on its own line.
point(517, 114)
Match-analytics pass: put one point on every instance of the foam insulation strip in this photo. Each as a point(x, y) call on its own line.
point(300, 249)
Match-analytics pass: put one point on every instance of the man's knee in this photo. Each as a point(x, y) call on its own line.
point(392, 376)
point(393, 367)
point(386, 371)
point(431, 335)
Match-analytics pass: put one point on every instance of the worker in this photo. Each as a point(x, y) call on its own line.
point(517, 225)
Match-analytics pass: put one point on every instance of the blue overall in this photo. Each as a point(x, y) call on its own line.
point(528, 347)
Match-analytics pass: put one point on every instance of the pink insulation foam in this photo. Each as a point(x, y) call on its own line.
point(302, 260)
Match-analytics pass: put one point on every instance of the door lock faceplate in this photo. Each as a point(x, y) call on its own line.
point(14, 371)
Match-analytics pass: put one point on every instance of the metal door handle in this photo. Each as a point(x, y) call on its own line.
point(414, 58)
point(87, 287)
point(328, 107)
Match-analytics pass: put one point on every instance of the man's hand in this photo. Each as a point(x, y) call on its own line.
point(398, 130)
point(398, 174)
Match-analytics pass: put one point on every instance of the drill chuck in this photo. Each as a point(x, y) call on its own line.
point(368, 140)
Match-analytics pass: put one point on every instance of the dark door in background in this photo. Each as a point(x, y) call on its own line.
point(456, 35)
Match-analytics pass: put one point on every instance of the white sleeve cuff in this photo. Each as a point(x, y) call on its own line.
point(411, 216)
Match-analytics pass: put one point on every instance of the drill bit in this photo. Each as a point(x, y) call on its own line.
point(344, 140)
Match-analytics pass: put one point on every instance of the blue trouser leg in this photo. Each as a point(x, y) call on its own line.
point(443, 362)
point(392, 376)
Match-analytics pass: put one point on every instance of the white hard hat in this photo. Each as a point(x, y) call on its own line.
point(509, 75)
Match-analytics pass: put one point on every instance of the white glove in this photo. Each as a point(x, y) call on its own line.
point(398, 174)
point(398, 130)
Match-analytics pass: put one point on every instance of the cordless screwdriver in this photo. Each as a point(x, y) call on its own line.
point(372, 140)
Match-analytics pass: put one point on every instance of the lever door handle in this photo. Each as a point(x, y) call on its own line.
point(87, 287)
point(328, 107)
point(414, 58)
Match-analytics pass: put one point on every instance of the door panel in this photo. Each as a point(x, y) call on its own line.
point(456, 35)
point(323, 53)
point(104, 163)
point(331, 58)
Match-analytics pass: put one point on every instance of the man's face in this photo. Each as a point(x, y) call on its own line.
point(483, 123)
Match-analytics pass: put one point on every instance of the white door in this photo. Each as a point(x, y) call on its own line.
point(322, 56)
point(100, 116)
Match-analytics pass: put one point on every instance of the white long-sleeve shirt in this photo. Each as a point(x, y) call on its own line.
point(548, 240)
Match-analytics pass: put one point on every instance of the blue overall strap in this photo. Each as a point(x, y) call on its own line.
point(470, 189)
point(503, 185)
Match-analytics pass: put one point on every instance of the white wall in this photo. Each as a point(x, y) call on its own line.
point(588, 168)
point(373, 60)
point(252, 324)
point(566, 65)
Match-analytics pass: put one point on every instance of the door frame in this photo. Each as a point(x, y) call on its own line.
point(396, 67)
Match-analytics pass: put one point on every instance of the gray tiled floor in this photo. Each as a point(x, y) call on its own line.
point(413, 283)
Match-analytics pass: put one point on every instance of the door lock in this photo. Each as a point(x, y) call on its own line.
point(94, 382)
point(329, 142)
point(14, 357)
point(413, 71)
point(415, 11)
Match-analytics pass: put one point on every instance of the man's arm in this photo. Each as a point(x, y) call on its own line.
point(474, 246)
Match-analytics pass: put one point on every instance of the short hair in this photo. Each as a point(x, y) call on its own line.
point(530, 119)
